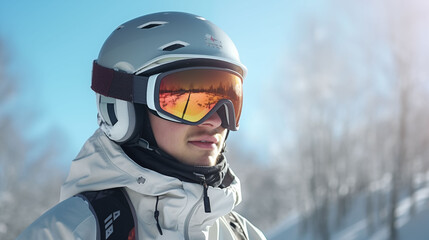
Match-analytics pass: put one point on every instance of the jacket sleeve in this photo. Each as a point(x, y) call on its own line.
point(70, 219)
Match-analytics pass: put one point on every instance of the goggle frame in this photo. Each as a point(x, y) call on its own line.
point(145, 90)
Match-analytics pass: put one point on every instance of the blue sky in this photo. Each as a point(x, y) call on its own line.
point(51, 45)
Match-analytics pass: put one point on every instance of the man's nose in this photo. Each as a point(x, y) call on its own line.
point(214, 121)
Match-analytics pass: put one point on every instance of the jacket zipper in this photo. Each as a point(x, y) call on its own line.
point(188, 218)
point(206, 200)
point(207, 207)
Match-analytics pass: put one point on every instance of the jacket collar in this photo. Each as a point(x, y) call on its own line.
point(102, 164)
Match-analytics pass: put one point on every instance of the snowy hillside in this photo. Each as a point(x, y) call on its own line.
point(355, 226)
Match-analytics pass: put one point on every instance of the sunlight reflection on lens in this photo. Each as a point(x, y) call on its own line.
point(191, 94)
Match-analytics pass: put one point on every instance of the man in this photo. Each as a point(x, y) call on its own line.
point(169, 90)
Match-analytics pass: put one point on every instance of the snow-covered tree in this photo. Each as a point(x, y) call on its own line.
point(29, 177)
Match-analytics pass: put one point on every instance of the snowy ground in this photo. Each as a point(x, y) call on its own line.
point(355, 227)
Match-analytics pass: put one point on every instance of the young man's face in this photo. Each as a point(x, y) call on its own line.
point(197, 145)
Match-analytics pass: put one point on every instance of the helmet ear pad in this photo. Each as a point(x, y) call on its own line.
point(143, 128)
point(117, 118)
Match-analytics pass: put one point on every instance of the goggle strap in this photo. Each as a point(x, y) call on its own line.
point(119, 85)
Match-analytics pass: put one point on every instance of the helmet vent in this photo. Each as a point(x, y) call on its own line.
point(120, 27)
point(173, 46)
point(152, 24)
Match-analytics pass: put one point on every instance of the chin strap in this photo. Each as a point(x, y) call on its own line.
point(143, 143)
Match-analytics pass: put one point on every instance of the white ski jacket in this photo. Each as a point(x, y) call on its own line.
point(102, 164)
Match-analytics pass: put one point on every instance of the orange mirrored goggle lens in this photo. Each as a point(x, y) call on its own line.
point(191, 94)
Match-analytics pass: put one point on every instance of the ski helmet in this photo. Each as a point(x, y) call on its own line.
point(150, 44)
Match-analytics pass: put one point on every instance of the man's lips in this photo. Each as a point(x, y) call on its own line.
point(205, 142)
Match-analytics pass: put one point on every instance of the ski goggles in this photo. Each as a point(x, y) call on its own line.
point(186, 95)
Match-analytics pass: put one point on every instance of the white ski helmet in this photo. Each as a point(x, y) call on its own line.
point(155, 43)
